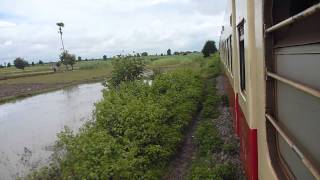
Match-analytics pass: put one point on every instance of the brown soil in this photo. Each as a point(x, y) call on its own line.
point(7, 90)
point(180, 165)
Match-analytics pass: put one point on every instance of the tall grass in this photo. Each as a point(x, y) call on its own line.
point(94, 65)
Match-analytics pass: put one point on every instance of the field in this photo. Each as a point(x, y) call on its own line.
point(16, 83)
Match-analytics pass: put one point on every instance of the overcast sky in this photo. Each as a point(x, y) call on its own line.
point(97, 27)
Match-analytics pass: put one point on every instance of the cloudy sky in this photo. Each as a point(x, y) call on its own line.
point(97, 27)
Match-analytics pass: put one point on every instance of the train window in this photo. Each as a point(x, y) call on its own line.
point(227, 52)
point(242, 57)
point(293, 54)
point(286, 8)
point(230, 48)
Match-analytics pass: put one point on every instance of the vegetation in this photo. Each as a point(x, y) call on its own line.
point(126, 70)
point(68, 59)
point(144, 54)
point(209, 48)
point(169, 52)
point(207, 138)
point(136, 131)
point(20, 63)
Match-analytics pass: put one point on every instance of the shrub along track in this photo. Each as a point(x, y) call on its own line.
point(210, 149)
point(178, 168)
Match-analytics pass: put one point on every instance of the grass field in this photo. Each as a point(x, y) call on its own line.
point(16, 83)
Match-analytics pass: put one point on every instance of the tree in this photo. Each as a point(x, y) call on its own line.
point(104, 57)
point(20, 63)
point(68, 59)
point(40, 62)
point(124, 70)
point(79, 58)
point(209, 48)
point(32, 64)
point(169, 52)
point(144, 54)
point(9, 65)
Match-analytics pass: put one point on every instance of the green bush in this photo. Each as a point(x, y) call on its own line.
point(207, 138)
point(137, 130)
point(230, 148)
point(126, 70)
point(208, 141)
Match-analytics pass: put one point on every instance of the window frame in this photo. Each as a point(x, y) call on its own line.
point(242, 58)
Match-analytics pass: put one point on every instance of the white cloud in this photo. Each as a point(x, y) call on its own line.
point(6, 24)
point(97, 27)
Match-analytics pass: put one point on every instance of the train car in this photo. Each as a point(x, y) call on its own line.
point(270, 51)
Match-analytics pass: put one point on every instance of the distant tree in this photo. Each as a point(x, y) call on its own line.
point(79, 58)
point(1, 66)
point(40, 62)
point(86, 59)
point(169, 52)
point(104, 57)
point(9, 65)
point(161, 54)
point(176, 53)
point(58, 64)
point(138, 55)
point(20, 63)
point(32, 63)
point(209, 48)
point(68, 59)
point(144, 54)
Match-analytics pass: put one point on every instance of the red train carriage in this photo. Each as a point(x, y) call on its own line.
point(271, 55)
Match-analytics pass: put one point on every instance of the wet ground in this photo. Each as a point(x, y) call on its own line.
point(28, 127)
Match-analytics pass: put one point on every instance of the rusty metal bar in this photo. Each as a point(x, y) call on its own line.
point(296, 85)
point(308, 12)
point(314, 171)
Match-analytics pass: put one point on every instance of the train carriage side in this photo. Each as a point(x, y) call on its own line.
point(271, 53)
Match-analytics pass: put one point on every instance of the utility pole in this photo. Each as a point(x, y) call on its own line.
point(61, 25)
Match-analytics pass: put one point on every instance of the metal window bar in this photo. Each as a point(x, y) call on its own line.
point(308, 12)
point(296, 85)
point(314, 171)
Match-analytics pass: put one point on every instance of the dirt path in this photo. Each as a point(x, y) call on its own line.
point(180, 166)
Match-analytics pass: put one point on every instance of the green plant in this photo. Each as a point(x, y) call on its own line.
point(20, 63)
point(209, 48)
point(126, 70)
point(230, 148)
point(136, 131)
point(68, 59)
point(207, 138)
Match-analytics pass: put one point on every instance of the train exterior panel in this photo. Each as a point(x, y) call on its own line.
point(270, 51)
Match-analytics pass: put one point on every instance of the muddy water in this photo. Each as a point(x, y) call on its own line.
point(28, 127)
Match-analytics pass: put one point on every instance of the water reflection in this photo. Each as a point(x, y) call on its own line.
point(28, 127)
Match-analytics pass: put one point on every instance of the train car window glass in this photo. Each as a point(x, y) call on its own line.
point(230, 39)
point(286, 8)
point(242, 57)
point(295, 111)
point(228, 53)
